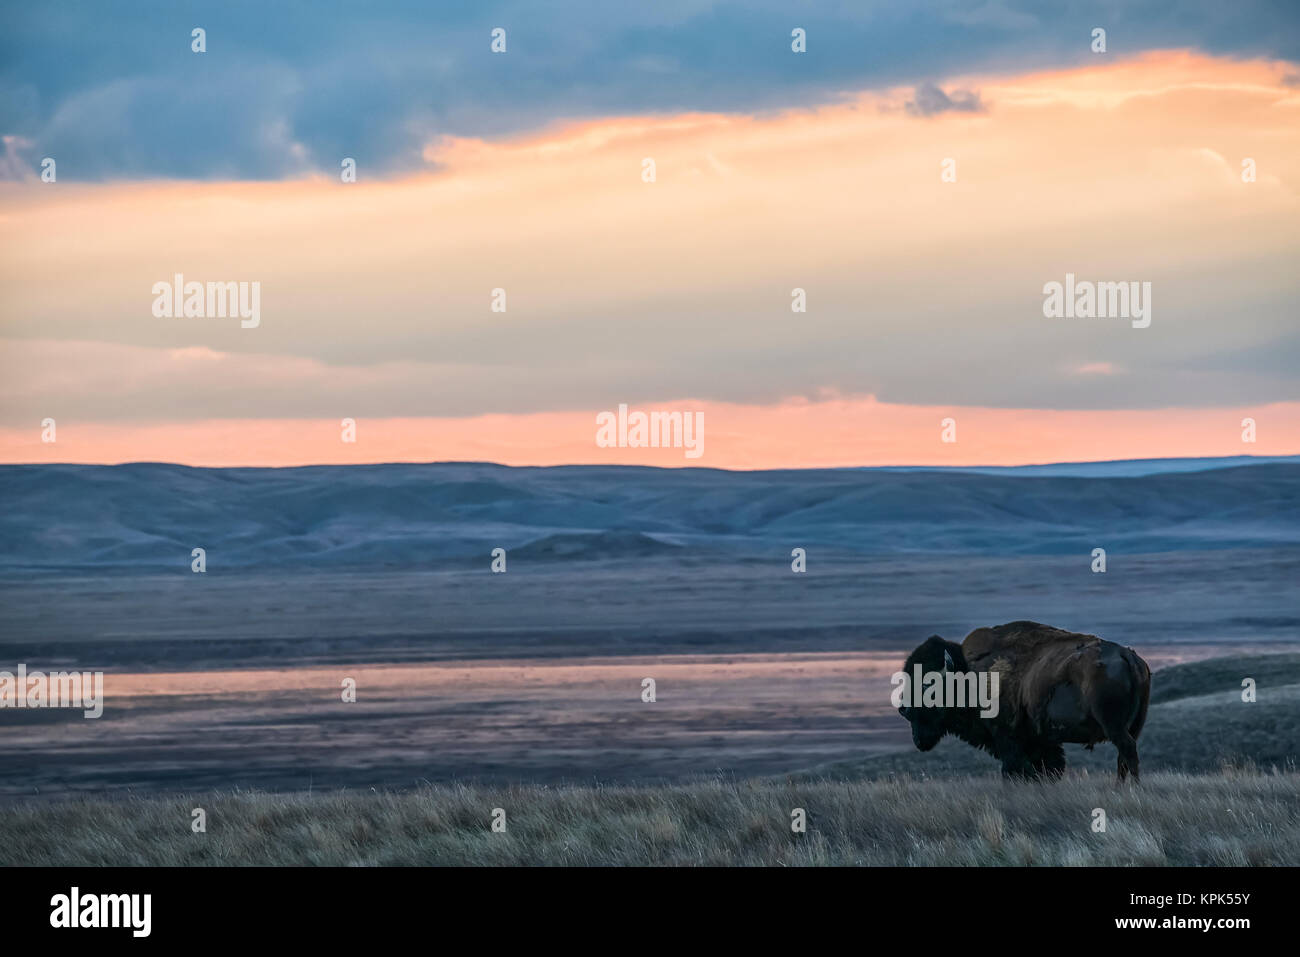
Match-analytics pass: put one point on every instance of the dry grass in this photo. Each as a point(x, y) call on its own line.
point(1228, 818)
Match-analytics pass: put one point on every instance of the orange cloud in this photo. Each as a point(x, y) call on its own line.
point(803, 434)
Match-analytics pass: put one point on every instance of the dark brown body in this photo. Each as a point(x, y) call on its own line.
point(1055, 687)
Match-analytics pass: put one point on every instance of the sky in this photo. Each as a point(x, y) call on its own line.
point(914, 180)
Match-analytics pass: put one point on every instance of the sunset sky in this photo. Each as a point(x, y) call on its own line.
point(774, 170)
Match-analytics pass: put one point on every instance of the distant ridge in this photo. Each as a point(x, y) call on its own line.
point(144, 516)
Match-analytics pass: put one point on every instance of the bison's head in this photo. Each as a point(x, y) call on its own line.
point(929, 724)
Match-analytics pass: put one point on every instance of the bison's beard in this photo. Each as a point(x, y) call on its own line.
point(925, 739)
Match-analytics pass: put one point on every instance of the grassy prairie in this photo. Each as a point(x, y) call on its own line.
point(1229, 818)
point(1220, 787)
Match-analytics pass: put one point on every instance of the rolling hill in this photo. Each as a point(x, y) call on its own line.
point(142, 516)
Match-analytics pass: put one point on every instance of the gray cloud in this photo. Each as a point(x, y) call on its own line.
point(928, 99)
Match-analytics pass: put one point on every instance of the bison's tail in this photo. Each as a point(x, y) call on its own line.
point(1142, 678)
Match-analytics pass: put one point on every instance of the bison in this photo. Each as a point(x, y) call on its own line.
point(1053, 687)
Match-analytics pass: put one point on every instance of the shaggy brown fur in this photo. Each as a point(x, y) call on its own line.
point(1055, 687)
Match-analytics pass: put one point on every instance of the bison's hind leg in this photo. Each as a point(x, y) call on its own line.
point(1128, 756)
point(1116, 719)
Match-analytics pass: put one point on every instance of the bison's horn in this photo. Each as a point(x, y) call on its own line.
point(948, 664)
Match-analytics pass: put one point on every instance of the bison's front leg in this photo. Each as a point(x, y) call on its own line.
point(1050, 760)
point(1022, 770)
point(1015, 762)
